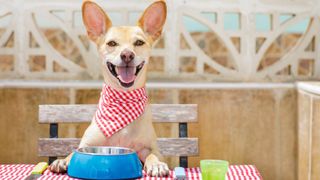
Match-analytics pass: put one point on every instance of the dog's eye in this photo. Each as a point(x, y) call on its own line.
point(112, 43)
point(138, 43)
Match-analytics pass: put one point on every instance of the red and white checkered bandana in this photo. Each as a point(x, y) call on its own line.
point(117, 109)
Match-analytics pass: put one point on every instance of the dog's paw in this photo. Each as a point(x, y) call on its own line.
point(157, 169)
point(58, 166)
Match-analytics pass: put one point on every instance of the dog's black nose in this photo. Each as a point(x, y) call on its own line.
point(127, 56)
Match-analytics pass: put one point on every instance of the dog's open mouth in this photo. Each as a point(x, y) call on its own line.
point(125, 74)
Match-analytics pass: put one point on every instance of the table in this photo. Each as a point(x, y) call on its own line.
point(21, 171)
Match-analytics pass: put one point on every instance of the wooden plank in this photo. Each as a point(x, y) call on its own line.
point(168, 146)
point(304, 135)
point(84, 113)
point(66, 113)
point(174, 112)
point(178, 146)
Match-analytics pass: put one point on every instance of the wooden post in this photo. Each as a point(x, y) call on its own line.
point(183, 132)
point(53, 134)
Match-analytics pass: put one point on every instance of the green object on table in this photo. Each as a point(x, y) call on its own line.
point(214, 169)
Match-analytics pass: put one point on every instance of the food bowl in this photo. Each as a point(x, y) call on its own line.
point(105, 163)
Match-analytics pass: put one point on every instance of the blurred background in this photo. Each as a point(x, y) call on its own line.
point(239, 60)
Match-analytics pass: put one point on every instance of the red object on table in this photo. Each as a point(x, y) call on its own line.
point(21, 171)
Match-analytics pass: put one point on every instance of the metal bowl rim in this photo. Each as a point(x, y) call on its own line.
point(131, 151)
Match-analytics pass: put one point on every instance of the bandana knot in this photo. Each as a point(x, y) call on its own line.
point(117, 109)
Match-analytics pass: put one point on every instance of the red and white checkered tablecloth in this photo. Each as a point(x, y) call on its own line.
point(21, 171)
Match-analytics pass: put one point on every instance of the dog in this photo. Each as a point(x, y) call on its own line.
point(124, 52)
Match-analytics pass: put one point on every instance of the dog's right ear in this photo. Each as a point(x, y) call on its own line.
point(96, 21)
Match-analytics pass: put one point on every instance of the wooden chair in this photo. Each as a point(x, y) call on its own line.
point(54, 147)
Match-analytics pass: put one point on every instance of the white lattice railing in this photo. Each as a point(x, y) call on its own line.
point(35, 36)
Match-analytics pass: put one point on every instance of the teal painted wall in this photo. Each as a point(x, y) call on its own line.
point(232, 23)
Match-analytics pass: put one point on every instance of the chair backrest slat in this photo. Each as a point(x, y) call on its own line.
point(84, 113)
point(167, 146)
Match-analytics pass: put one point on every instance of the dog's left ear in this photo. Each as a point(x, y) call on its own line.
point(153, 19)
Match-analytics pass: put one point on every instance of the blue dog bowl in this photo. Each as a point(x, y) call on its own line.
point(105, 163)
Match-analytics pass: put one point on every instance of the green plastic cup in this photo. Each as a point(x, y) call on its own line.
point(214, 169)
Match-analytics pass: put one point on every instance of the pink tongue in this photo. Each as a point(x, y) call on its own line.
point(126, 74)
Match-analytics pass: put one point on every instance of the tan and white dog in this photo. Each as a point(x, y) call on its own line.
point(124, 53)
